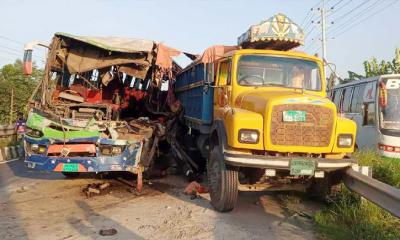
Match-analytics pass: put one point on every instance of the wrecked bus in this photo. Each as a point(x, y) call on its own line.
point(259, 114)
point(101, 105)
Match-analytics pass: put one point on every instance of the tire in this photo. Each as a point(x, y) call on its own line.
point(325, 189)
point(222, 182)
point(70, 174)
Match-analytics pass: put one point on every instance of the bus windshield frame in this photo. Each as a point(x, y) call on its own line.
point(389, 115)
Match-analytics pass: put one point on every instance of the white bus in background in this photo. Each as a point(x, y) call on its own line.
point(374, 104)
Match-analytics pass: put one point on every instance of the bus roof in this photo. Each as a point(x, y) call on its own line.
point(366, 80)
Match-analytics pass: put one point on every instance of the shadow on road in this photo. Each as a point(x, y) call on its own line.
point(93, 222)
point(9, 229)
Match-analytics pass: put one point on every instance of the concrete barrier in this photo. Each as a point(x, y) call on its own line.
point(7, 151)
point(12, 152)
point(2, 158)
point(21, 151)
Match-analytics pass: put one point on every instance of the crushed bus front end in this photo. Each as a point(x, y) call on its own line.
point(101, 106)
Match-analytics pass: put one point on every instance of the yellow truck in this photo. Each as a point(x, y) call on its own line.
point(259, 115)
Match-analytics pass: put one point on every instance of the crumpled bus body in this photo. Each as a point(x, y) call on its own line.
point(100, 107)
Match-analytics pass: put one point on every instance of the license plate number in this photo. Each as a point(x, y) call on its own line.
point(301, 167)
point(70, 167)
point(294, 116)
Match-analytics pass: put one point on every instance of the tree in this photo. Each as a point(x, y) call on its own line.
point(352, 77)
point(13, 78)
point(375, 68)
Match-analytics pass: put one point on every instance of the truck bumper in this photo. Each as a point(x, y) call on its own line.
point(283, 163)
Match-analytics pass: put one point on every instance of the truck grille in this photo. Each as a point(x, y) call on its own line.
point(316, 131)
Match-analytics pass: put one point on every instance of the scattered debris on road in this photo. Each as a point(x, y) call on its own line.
point(108, 232)
point(195, 188)
point(96, 188)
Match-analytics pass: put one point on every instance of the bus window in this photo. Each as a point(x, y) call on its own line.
point(357, 99)
point(390, 110)
point(369, 113)
point(337, 97)
point(347, 99)
point(333, 95)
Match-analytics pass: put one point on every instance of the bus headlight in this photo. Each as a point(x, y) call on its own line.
point(111, 150)
point(345, 140)
point(116, 150)
point(33, 133)
point(248, 136)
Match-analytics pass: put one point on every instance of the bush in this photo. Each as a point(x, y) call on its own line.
point(351, 217)
point(384, 169)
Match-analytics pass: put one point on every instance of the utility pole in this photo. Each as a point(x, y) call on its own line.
point(11, 107)
point(323, 29)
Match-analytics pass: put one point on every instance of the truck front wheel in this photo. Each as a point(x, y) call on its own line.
point(222, 181)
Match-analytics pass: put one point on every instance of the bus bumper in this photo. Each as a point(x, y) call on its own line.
point(80, 164)
point(127, 160)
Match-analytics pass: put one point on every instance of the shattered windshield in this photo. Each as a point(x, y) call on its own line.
point(259, 70)
point(390, 110)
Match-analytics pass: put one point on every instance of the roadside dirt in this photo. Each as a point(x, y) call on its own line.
point(37, 205)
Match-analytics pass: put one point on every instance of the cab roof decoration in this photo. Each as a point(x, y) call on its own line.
point(276, 33)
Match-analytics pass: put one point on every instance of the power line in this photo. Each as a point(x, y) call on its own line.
point(11, 40)
point(336, 11)
point(340, 8)
point(310, 16)
point(12, 49)
point(11, 53)
point(340, 1)
point(369, 16)
point(7, 58)
point(343, 16)
point(365, 11)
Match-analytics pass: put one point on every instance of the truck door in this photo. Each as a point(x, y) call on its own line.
point(223, 83)
point(222, 92)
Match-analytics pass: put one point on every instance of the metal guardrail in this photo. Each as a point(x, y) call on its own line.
point(383, 195)
point(6, 131)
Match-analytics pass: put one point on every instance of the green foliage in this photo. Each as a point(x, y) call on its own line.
point(352, 77)
point(350, 217)
point(12, 77)
point(385, 169)
point(374, 68)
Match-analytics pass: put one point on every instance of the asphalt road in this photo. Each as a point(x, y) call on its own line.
point(36, 205)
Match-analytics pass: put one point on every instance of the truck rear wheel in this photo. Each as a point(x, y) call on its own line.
point(222, 181)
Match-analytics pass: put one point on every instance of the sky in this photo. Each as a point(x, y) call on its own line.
point(194, 25)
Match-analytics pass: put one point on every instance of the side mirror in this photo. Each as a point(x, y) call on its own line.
point(27, 62)
point(28, 50)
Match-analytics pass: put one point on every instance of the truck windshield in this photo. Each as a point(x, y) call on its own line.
point(259, 70)
point(390, 112)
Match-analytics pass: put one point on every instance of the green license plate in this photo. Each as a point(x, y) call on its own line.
point(70, 167)
point(302, 167)
point(294, 116)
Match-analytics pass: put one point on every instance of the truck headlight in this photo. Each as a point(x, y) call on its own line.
point(345, 140)
point(248, 136)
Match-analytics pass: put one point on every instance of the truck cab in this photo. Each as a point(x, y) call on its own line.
point(265, 116)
